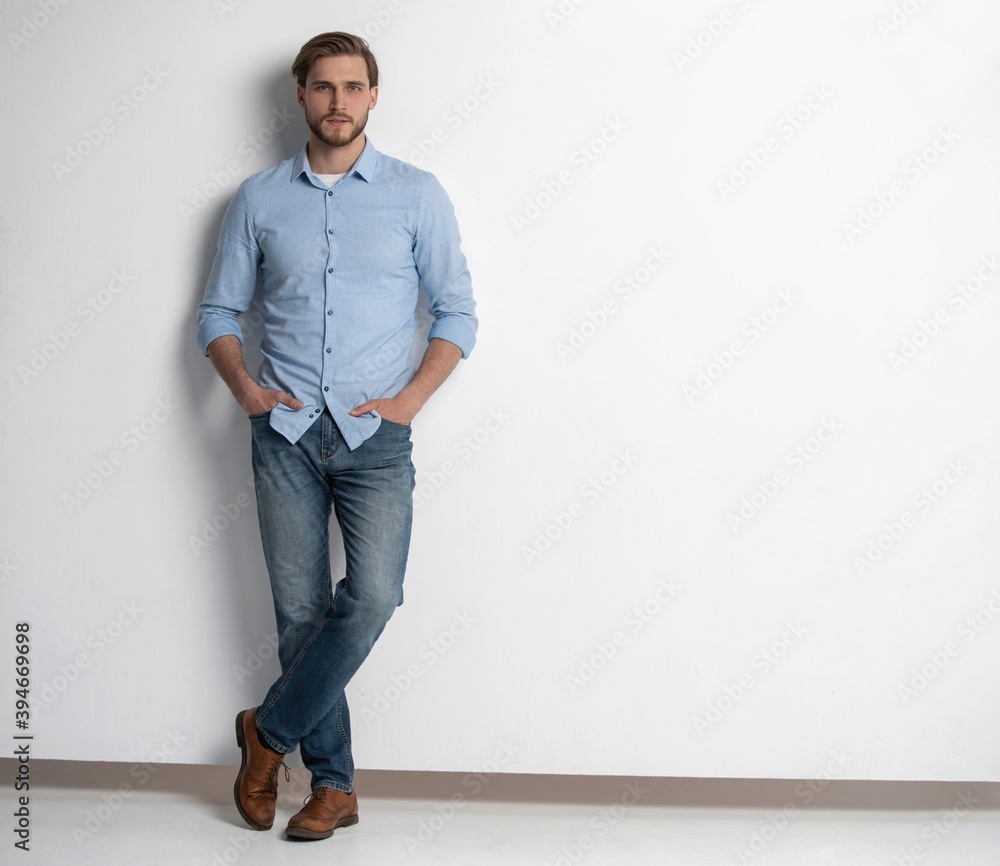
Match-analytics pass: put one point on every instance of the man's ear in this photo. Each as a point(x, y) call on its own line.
point(300, 93)
point(374, 97)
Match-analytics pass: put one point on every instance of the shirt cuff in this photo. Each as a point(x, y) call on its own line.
point(455, 331)
point(213, 329)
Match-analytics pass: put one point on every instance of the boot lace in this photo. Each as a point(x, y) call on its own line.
point(319, 794)
point(274, 772)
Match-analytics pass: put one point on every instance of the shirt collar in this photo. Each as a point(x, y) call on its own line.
point(364, 165)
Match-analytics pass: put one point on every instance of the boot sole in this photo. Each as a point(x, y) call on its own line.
point(241, 742)
point(302, 833)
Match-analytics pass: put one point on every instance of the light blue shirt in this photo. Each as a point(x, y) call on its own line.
point(340, 271)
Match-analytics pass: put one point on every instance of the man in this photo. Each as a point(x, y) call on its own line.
point(342, 236)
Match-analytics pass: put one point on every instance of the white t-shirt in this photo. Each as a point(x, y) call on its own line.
point(330, 179)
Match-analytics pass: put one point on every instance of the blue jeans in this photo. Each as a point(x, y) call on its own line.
point(326, 632)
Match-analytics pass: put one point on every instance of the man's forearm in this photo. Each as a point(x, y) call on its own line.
point(226, 354)
point(440, 359)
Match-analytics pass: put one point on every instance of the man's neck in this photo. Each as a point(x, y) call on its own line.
point(324, 159)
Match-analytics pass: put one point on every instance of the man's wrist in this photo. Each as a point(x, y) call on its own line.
point(411, 402)
point(244, 388)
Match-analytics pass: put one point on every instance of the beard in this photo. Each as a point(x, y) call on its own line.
point(334, 137)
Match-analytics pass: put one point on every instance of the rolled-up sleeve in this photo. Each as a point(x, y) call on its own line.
point(233, 278)
point(443, 271)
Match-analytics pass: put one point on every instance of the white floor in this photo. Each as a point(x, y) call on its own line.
point(108, 814)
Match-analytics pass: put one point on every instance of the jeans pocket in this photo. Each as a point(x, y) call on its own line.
point(405, 427)
point(259, 415)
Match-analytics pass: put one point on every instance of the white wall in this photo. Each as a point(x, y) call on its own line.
point(479, 659)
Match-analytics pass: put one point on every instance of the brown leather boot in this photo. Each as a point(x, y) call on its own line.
point(256, 788)
point(326, 809)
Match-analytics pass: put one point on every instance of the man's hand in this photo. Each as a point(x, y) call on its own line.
point(391, 408)
point(255, 400)
point(226, 353)
point(439, 360)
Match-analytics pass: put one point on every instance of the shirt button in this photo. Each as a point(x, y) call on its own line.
point(326, 388)
point(329, 270)
point(328, 351)
point(329, 231)
point(330, 192)
point(329, 312)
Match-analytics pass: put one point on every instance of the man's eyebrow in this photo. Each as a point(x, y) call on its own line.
point(324, 81)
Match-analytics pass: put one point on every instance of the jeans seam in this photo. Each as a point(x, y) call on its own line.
point(295, 663)
point(330, 594)
point(334, 786)
point(328, 425)
point(343, 732)
point(271, 744)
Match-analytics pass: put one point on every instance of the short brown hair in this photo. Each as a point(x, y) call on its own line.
point(334, 44)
